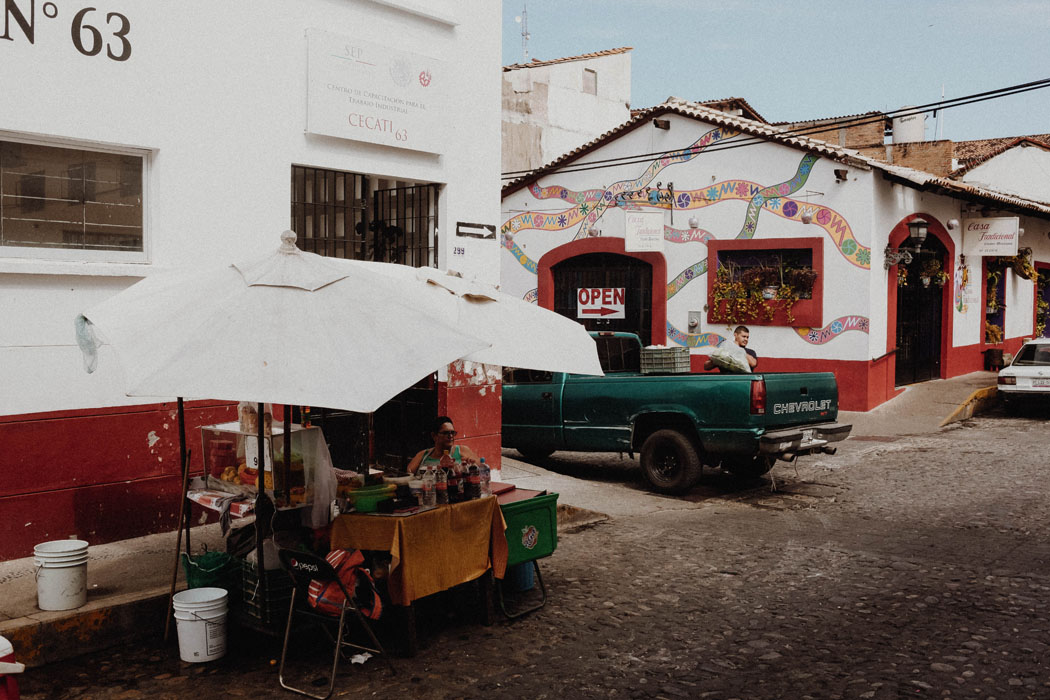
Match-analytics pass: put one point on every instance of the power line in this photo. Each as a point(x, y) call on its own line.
point(787, 133)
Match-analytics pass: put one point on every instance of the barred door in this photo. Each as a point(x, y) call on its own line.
point(607, 270)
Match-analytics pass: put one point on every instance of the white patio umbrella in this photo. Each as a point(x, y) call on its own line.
point(519, 334)
point(290, 328)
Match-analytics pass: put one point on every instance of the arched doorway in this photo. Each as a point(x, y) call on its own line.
point(920, 301)
point(607, 270)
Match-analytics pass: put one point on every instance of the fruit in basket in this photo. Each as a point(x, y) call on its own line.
point(229, 474)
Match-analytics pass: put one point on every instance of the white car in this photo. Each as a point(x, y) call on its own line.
point(1028, 374)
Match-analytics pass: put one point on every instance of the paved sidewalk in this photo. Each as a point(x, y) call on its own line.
point(129, 581)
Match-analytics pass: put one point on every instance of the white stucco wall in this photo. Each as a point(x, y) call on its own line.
point(764, 165)
point(549, 100)
point(1023, 170)
point(869, 205)
point(215, 94)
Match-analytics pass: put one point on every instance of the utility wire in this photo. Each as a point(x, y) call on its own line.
point(734, 142)
point(802, 131)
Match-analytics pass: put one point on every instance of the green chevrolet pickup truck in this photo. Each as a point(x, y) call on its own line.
point(676, 422)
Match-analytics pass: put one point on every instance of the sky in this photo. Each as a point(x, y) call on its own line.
point(803, 59)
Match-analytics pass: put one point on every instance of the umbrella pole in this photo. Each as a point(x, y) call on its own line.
point(184, 461)
point(183, 515)
point(287, 472)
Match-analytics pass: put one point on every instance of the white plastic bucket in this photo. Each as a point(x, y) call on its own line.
point(200, 616)
point(61, 574)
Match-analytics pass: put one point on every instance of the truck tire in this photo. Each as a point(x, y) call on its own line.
point(535, 454)
point(670, 462)
point(749, 468)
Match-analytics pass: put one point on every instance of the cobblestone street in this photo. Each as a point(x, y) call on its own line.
point(899, 568)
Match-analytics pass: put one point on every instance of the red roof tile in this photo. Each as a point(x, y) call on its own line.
point(536, 63)
point(970, 154)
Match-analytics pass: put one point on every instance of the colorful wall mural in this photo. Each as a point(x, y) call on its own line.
point(588, 206)
point(819, 336)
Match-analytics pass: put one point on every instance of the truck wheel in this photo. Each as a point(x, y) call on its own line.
point(749, 468)
point(535, 454)
point(670, 462)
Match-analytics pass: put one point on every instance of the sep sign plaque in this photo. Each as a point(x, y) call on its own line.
point(600, 302)
point(365, 91)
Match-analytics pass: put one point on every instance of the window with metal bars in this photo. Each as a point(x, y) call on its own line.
point(333, 214)
point(330, 213)
point(405, 220)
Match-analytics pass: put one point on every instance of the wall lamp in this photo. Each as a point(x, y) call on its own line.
point(917, 228)
point(664, 124)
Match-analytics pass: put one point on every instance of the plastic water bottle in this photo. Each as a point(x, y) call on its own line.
point(441, 487)
point(486, 478)
point(416, 486)
point(429, 488)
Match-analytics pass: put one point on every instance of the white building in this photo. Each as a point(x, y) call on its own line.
point(148, 135)
point(551, 107)
point(734, 194)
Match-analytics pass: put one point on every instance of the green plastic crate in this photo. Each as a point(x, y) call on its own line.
point(673, 360)
point(532, 528)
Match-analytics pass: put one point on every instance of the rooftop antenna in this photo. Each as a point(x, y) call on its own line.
point(940, 117)
point(523, 20)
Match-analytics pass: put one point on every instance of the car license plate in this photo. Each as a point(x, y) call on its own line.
point(807, 436)
point(1041, 382)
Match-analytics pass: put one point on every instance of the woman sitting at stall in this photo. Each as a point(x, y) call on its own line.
point(444, 453)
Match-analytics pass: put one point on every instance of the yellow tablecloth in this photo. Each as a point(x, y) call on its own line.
point(433, 550)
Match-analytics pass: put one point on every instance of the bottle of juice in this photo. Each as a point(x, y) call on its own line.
point(441, 486)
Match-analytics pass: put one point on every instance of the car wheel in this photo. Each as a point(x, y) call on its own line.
point(749, 468)
point(535, 454)
point(670, 462)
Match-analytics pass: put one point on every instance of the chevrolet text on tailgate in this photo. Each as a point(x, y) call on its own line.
point(676, 422)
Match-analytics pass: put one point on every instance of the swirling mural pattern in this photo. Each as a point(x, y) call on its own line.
point(693, 340)
point(819, 336)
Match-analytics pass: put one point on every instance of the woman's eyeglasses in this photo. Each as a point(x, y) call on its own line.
point(447, 433)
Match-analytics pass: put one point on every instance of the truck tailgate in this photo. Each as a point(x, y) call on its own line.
point(799, 398)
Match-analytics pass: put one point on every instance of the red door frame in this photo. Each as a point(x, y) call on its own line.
point(599, 244)
point(898, 235)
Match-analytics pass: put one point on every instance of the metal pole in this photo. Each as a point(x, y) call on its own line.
point(184, 453)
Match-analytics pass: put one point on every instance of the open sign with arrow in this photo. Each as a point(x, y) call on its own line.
point(600, 302)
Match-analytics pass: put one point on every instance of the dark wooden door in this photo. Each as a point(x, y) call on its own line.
point(607, 270)
point(919, 320)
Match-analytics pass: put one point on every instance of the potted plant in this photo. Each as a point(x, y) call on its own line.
point(740, 295)
point(993, 334)
point(1022, 265)
point(992, 305)
point(932, 272)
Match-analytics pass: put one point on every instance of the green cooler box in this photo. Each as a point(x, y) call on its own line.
point(532, 533)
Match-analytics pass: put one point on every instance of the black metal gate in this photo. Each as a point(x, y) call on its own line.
point(919, 319)
point(606, 270)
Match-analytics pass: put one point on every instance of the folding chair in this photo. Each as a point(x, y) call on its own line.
point(304, 568)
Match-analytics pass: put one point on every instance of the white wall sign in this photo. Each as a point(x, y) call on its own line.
point(991, 236)
point(367, 92)
point(643, 230)
point(600, 302)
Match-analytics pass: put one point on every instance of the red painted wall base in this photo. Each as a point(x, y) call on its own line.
point(101, 474)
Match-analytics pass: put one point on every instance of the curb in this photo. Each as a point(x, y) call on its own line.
point(57, 637)
point(977, 402)
point(570, 517)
